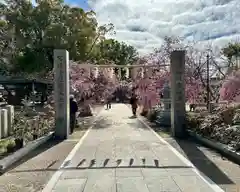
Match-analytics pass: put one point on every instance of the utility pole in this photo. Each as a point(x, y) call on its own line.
point(208, 85)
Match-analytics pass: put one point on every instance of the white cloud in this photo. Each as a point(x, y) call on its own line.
point(144, 23)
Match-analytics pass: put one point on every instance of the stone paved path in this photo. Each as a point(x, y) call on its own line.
point(122, 154)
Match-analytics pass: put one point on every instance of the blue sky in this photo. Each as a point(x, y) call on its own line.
point(81, 3)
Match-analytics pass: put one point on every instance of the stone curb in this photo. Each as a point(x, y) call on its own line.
point(221, 148)
point(8, 161)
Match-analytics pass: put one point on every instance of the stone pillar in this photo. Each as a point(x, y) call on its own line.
point(10, 114)
point(61, 93)
point(4, 123)
point(178, 111)
point(164, 116)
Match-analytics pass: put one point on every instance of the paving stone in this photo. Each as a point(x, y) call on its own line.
point(97, 173)
point(128, 172)
point(191, 184)
point(180, 171)
point(154, 172)
point(100, 183)
point(161, 184)
point(171, 162)
point(131, 184)
point(70, 185)
point(87, 173)
point(75, 174)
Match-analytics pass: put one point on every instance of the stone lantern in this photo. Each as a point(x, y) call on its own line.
point(164, 115)
point(166, 97)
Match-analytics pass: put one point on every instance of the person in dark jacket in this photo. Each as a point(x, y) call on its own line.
point(161, 95)
point(192, 107)
point(133, 102)
point(109, 99)
point(73, 111)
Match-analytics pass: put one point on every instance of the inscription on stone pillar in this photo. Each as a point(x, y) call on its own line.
point(61, 93)
point(178, 113)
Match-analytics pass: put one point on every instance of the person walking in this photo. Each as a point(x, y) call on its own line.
point(192, 107)
point(109, 100)
point(134, 105)
point(73, 111)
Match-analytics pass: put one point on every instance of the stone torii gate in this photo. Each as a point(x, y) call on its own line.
point(61, 91)
point(128, 68)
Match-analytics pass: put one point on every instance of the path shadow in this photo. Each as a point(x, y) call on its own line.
point(190, 149)
point(92, 162)
point(202, 162)
point(40, 149)
point(102, 167)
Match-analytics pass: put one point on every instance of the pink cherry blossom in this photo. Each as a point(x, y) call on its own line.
point(230, 90)
point(86, 84)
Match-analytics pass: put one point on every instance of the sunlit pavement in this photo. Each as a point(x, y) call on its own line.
point(122, 154)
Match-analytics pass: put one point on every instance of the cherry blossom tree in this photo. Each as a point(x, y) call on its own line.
point(150, 85)
point(230, 90)
point(150, 82)
point(104, 86)
point(91, 85)
point(81, 81)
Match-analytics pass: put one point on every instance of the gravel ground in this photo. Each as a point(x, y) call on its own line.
point(35, 170)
